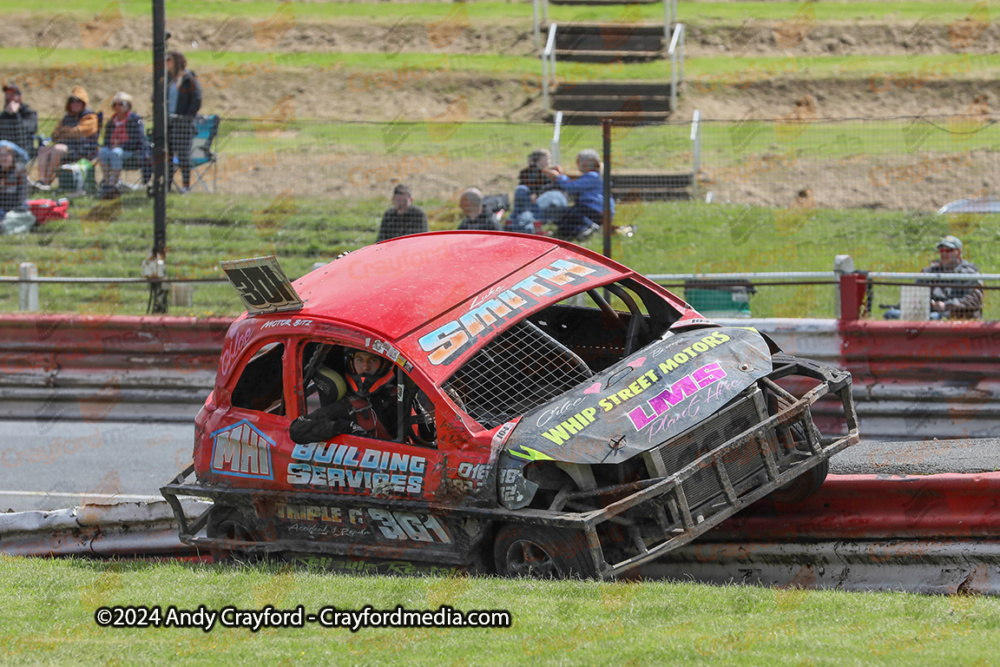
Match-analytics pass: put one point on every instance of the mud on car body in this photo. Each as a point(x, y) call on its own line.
point(559, 414)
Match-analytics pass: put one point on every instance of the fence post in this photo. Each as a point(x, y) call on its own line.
point(534, 16)
point(842, 264)
point(852, 295)
point(695, 152)
point(27, 292)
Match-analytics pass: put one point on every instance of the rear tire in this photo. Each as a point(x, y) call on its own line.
point(542, 553)
point(803, 486)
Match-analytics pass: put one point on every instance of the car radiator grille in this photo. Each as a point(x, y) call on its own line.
point(741, 463)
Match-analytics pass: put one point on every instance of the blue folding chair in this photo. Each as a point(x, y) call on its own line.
point(203, 158)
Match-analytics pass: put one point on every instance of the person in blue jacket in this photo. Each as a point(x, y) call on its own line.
point(582, 219)
point(124, 137)
point(13, 180)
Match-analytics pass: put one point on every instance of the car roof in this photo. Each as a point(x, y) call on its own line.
point(398, 286)
point(975, 205)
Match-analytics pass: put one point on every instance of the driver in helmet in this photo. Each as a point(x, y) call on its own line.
point(362, 404)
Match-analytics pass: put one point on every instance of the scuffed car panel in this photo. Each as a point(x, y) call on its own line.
point(638, 403)
point(559, 414)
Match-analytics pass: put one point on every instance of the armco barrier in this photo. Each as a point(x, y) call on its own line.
point(912, 380)
point(924, 534)
point(851, 507)
point(845, 538)
point(98, 367)
point(118, 529)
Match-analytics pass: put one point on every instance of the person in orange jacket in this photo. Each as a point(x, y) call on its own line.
point(74, 138)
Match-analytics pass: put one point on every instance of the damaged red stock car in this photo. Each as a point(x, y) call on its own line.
point(560, 414)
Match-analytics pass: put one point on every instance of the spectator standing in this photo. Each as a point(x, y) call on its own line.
point(13, 180)
point(18, 121)
point(959, 300)
point(124, 136)
point(73, 139)
point(403, 218)
point(183, 104)
point(584, 217)
point(471, 203)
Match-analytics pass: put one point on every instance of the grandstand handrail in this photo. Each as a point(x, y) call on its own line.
point(536, 28)
point(549, 54)
point(750, 275)
point(676, 46)
point(695, 151)
point(554, 149)
point(935, 276)
point(746, 275)
point(790, 275)
point(109, 281)
point(670, 11)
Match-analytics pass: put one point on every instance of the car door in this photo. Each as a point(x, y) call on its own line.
point(242, 439)
point(350, 464)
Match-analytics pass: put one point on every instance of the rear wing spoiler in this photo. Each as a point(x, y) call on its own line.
point(262, 285)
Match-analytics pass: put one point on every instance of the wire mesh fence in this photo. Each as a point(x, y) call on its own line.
point(911, 163)
point(788, 195)
point(908, 163)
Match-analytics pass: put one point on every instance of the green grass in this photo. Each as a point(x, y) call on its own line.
point(49, 608)
point(693, 12)
point(705, 74)
point(671, 238)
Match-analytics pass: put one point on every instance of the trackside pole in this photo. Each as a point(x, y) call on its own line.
point(157, 256)
point(606, 221)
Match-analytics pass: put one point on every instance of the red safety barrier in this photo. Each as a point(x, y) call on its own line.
point(88, 334)
point(871, 507)
point(940, 350)
point(54, 346)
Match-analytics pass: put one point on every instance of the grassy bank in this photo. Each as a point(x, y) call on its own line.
point(686, 237)
point(701, 12)
point(700, 71)
point(51, 605)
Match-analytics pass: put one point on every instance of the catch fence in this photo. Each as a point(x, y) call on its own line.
point(906, 164)
point(786, 195)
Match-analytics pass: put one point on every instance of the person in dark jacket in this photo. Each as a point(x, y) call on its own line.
point(18, 121)
point(476, 218)
point(532, 181)
point(952, 300)
point(124, 136)
point(13, 180)
point(403, 218)
point(74, 138)
point(183, 104)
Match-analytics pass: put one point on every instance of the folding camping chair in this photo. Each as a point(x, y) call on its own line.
point(203, 158)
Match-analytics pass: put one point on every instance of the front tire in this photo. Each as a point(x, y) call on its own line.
point(537, 552)
point(803, 486)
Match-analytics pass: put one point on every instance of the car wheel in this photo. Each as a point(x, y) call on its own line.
point(542, 553)
point(227, 525)
point(803, 486)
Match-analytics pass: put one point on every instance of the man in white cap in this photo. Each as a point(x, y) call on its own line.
point(955, 300)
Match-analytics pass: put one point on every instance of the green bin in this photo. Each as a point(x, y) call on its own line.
point(78, 177)
point(719, 300)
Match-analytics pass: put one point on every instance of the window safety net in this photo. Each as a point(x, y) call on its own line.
point(520, 370)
